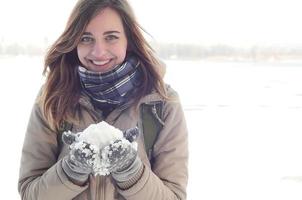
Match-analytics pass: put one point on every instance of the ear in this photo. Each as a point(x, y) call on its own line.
point(68, 137)
point(131, 134)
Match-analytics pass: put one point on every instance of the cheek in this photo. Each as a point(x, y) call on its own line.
point(122, 56)
point(82, 52)
point(121, 52)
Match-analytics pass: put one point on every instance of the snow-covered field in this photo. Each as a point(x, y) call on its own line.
point(244, 123)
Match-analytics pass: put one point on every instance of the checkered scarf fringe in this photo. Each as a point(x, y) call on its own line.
point(113, 87)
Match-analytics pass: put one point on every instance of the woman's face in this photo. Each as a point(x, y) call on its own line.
point(103, 44)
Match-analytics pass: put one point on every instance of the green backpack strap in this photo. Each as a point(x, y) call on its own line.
point(152, 124)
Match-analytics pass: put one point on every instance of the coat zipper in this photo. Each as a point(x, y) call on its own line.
point(100, 188)
point(103, 189)
point(96, 187)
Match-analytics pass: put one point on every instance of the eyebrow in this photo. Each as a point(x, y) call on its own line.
point(110, 32)
point(105, 33)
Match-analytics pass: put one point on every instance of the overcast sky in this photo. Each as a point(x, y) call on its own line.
point(234, 22)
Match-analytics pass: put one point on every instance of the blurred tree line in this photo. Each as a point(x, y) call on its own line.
point(227, 52)
point(187, 51)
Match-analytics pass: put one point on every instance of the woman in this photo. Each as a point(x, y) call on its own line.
point(102, 69)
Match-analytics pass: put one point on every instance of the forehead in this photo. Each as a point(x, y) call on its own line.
point(106, 19)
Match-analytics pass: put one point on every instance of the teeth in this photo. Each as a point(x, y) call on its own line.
point(100, 62)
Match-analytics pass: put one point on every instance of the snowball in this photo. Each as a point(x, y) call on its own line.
point(100, 135)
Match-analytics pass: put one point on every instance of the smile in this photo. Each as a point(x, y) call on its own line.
point(100, 62)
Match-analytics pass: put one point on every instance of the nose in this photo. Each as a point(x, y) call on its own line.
point(98, 50)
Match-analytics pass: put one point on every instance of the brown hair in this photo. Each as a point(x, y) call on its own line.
point(62, 88)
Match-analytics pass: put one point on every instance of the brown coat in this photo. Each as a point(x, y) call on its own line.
point(41, 175)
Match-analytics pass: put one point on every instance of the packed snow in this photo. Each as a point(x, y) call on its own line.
point(100, 134)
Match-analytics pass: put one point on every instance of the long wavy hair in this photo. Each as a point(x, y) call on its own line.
point(62, 89)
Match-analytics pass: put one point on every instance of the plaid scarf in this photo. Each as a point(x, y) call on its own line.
point(112, 88)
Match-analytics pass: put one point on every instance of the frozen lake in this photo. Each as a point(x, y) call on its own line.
point(244, 123)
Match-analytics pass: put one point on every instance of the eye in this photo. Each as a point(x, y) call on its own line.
point(86, 40)
point(110, 38)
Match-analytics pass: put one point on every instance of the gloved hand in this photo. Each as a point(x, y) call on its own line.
point(121, 153)
point(121, 158)
point(79, 163)
point(100, 149)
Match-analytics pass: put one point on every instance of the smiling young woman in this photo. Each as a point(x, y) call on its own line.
point(101, 69)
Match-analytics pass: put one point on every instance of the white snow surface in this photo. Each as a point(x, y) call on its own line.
point(244, 122)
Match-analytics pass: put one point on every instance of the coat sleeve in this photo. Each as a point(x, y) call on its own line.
point(41, 175)
point(169, 175)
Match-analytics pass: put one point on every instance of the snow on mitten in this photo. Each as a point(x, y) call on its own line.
point(121, 153)
point(101, 148)
point(82, 153)
point(69, 137)
point(131, 134)
point(78, 164)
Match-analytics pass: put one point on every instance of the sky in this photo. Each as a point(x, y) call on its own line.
point(208, 22)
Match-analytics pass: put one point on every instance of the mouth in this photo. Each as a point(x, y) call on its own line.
point(100, 63)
